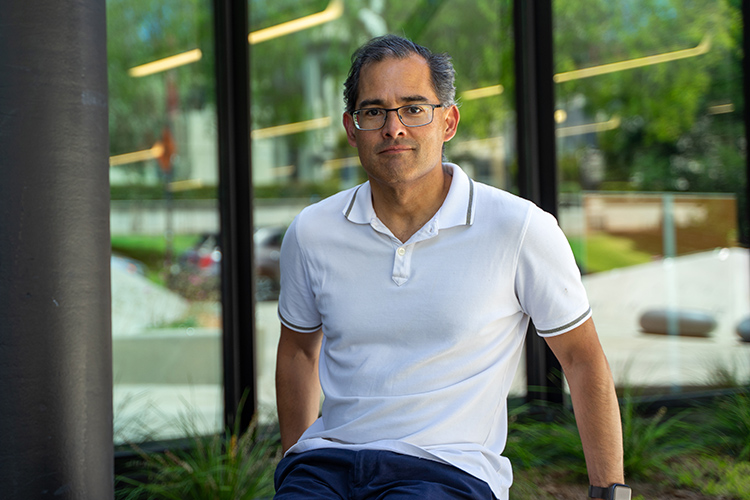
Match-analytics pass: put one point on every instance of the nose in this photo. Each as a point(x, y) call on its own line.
point(393, 126)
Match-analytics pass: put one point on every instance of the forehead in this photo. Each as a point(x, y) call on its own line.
point(394, 80)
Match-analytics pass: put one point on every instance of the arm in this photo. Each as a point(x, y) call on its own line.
point(297, 383)
point(594, 401)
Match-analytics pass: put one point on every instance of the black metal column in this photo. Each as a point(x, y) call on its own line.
point(746, 109)
point(235, 198)
point(537, 164)
point(55, 333)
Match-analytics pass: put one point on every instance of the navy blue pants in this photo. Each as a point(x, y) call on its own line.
point(331, 473)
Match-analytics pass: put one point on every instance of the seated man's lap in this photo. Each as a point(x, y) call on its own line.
point(372, 474)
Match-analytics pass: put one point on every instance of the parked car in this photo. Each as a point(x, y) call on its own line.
point(204, 260)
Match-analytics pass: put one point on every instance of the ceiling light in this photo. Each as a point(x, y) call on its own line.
point(170, 62)
point(700, 49)
point(135, 157)
point(482, 92)
point(589, 128)
point(291, 128)
point(334, 10)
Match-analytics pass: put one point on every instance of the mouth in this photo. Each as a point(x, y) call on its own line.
point(394, 150)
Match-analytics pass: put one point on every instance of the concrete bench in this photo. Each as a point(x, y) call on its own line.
point(685, 323)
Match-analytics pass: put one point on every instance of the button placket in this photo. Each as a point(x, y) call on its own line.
point(402, 264)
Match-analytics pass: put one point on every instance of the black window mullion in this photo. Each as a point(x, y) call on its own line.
point(235, 207)
point(537, 164)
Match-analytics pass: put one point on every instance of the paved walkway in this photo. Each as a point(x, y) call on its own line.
point(717, 283)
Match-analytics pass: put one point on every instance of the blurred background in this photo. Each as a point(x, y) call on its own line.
point(651, 176)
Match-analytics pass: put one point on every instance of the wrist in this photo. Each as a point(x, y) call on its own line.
point(615, 491)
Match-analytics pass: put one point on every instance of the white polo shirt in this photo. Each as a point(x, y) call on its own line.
point(422, 338)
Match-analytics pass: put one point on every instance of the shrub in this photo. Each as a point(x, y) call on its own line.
point(732, 425)
point(651, 442)
point(235, 466)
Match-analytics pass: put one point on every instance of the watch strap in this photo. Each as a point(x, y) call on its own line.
point(599, 492)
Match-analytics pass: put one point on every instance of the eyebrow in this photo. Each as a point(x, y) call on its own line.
point(380, 102)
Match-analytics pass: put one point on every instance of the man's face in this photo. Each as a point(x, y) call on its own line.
point(397, 154)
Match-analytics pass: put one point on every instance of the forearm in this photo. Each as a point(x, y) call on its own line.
point(598, 417)
point(297, 391)
point(594, 401)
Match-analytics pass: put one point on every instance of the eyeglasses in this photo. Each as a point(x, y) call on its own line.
point(411, 115)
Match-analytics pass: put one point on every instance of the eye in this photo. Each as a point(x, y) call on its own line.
point(372, 112)
point(413, 110)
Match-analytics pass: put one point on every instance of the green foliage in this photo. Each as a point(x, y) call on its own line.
point(142, 31)
point(666, 97)
point(533, 443)
point(702, 448)
point(236, 466)
point(650, 442)
point(151, 249)
point(715, 476)
point(732, 425)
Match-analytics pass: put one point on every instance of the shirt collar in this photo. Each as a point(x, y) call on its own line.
point(457, 209)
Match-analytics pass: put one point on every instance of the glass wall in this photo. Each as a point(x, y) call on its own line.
point(166, 309)
point(651, 157)
point(300, 56)
point(651, 165)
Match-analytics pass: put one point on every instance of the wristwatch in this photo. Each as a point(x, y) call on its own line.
point(614, 491)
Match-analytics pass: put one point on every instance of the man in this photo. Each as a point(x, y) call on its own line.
point(407, 300)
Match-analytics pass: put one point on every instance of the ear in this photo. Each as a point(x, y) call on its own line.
point(452, 117)
point(350, 128)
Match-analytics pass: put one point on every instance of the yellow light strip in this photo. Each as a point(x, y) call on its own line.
point(135, 157)
point(482, 92)
point(170, 62)
point(720, 109)
point(698, 50)
point(588, 128)
point(283, 171)
point(334, 10)
point(185, 185)
point(335, 164)
point(291, 128)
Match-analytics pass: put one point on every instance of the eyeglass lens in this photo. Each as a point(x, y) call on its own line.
point(412, 115)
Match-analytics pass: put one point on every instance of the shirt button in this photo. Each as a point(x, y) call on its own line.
point(401, 251)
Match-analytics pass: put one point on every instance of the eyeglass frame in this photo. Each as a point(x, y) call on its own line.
point(398, 114)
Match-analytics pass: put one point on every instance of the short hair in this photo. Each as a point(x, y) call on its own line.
point(391, 46)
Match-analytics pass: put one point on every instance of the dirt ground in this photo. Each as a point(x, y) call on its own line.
point(648, 491)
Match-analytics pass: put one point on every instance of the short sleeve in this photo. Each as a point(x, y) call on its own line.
point(297, 309)
point(548, 281)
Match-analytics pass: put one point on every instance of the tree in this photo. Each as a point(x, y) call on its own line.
point(663, 105)
point(142, 31)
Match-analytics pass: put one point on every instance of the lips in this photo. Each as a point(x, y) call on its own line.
point(394, 149)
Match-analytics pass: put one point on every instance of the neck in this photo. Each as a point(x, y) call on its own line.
point(404, 209)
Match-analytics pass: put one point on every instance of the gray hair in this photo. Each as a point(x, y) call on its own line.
point(391, 46)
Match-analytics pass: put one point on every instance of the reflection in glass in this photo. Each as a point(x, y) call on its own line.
point(166, 310)
point(651, 155)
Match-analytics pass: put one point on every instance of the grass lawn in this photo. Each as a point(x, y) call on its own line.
point(602, 252)
point(151, 251)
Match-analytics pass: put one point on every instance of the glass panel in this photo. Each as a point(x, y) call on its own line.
point(166, 311)
point(651, 156)
point(300, 151)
